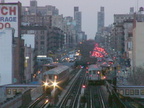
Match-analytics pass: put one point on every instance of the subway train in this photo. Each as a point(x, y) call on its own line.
point(56, 76)
point(131, 91)
point(95, 76)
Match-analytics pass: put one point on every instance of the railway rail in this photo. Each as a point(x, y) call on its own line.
point(70, 100)
point(41, 102)
point(94, 97)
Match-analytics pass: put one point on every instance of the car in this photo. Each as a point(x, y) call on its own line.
point(71, 59)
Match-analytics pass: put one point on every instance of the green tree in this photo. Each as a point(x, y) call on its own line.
point(85, 47)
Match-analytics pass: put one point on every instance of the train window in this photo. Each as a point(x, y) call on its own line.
point(136, 92)
point(8, 91)
point(126, 91)
point(121, 91)
point(142, 92)
point(14, 91)
point(45, 77)
point(131, 91)
point(50, 76)
point(20, 90)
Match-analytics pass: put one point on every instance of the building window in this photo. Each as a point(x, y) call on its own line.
point(42, 47)
point(30, 31)
point(42, 37)
point(36, 32)
point(42, 42)
point(42, 52)
point(8, 91)
point(36, 42)
point(42, 32)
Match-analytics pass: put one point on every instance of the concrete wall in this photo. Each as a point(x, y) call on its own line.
point(2, 94)
point(6, 57)
point(138, 44)
point(35, 93)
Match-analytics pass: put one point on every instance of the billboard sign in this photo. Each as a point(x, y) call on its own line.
point(9, 17)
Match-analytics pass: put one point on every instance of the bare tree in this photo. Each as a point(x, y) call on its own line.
point(137, 77)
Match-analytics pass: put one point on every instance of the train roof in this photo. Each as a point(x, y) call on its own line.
point(22, 85)
point(109, 59)
point(52, 64)
point(130, 86)
point(56, 70)
point(94, 67)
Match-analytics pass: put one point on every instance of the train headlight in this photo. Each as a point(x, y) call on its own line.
point(45, 83)
point(54, 84)
point(46, 101)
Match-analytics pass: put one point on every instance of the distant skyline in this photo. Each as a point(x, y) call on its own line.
point(89, 9)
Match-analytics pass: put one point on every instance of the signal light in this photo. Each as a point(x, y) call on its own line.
point(83, 86)
point(104, 77)
point(55, 77)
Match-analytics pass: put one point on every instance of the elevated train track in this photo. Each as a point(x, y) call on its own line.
point(70, 100)
point(41, 101)
point(126, 96)
point(94, 97)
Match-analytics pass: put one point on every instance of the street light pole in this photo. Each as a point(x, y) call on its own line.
point(115, 77)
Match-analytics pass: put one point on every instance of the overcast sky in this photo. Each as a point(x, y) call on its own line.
point(89, 9)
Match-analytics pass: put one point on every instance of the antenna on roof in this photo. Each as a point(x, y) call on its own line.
point(137, 5)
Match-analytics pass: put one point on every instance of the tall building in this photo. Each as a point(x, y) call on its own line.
point(131, 10)
point(139, 16)
point(6, 56)
point(100, 25)
point(138, 42)
point(76, 9)
point(100, 20)
point(13, 10)
point(33, 9)
point(77, 18)
point(2, 1)
point(29, 42)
